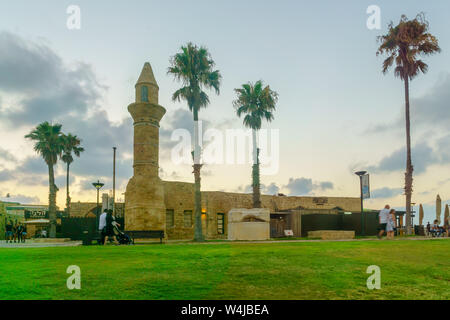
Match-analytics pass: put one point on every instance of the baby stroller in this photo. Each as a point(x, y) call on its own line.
point(121, 237)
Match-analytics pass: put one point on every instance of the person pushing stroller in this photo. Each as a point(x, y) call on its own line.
point(110, 224)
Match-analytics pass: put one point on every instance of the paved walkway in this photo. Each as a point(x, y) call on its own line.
point(187, 242)
point(30, 244)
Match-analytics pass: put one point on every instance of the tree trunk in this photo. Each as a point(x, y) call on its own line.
point(198, 234)
point(255, 174)
point(409, 166)
point(52, 201)
point(67, 191)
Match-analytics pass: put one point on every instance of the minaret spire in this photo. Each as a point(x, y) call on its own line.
point(147, 89)
point(147, 76)
point(144, 196)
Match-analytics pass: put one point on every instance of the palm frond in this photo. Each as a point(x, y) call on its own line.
point(256, 102)
point(404, 43)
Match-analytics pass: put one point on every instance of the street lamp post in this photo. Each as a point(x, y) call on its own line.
point(98, 185)
point(363, 227)
point(114, 180)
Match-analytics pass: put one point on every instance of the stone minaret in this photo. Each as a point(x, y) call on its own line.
point(144, 197)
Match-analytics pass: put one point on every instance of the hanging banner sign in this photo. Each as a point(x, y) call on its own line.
point(365, 185)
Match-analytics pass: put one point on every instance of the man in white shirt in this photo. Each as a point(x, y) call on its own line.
point(383, 217)
point(102, 225)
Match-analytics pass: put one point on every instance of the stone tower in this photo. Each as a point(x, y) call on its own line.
point(144, 196)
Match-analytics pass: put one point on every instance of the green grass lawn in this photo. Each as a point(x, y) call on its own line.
point(319, 270)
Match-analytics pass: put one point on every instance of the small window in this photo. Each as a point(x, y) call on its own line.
point(221, 223)
point(144, 94)
point(170, 218)
point(188, 218)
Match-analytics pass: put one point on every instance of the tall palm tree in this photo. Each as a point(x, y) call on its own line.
point(194, 68)
point(49, 144)
point(403, 44)
point(71, 146)
point(257, 103)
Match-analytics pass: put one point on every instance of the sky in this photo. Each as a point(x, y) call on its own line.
point(337, 113)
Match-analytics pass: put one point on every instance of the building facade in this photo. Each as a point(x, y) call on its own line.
point(153, 204)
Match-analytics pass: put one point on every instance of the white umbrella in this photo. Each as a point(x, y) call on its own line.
point(446, 214)
point(438, 209)
point(421, 215)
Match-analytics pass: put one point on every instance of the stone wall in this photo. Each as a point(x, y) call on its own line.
point(83, 209)
point(179, 197)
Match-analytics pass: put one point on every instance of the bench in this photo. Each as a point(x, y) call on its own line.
point(151, 234)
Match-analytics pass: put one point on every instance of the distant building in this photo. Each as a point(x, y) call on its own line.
point(28, 211)
point(89, 209)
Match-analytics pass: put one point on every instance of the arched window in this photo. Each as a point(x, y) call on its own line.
point(144, 94)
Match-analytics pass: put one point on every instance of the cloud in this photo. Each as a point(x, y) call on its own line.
point(6, 155)
point(21, 199)
point(182, 119)
point(300, 186)
point(31, 171)
point(443, 148)
point(422, 157)
point(327, 185)
point(430, 109)
point(385, 193)
point(433, 107)
point(305, 186)
point(6, 175)
point(27, 66)
point(270, 189)
point(245, 189)
point(47, 88)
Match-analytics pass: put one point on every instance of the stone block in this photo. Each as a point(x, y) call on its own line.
point(249, 224)
point(332, 234)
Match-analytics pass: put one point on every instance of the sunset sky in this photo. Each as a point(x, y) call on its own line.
point(337, 112)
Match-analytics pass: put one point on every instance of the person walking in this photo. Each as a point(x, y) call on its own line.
point(19, 232)
point(102, 226)
point(109, 229)
point(9, 231)
point(383, 220)
point(14, 230)
point(391, 225)
point(24, 232)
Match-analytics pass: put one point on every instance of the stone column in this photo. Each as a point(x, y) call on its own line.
point(105, 202)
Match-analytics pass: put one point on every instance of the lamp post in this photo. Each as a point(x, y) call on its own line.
point(360, 174)
point(98, 185)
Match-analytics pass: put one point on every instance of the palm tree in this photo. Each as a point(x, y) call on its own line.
point(257, 103)
point(403, 44)
point(194, 68)
point(49, 144)
point(71, 145)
